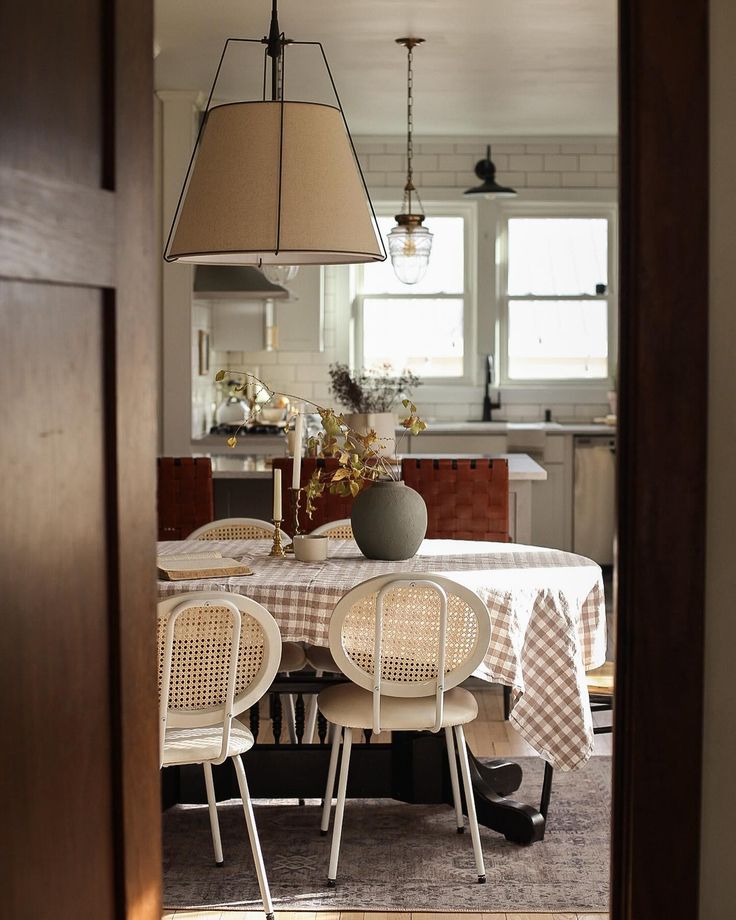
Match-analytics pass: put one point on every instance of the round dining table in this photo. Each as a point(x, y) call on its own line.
point(547, 609)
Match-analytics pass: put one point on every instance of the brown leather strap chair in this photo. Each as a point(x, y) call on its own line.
point(184, 496)
point(328, 507)
point(466, 499)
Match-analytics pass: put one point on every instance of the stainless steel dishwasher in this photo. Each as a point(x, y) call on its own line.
point(594, 497)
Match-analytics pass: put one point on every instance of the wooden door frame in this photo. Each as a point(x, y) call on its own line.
point(663, 54)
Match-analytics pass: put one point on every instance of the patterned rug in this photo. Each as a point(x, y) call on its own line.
point(397, 857)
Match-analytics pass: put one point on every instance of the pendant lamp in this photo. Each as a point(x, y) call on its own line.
point(409, 242)
point(486, 170)
point(274, 181)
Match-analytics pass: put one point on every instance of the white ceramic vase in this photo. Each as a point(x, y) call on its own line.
point(383, 423)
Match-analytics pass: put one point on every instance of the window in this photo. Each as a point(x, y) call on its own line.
point(556, 301)
point(419, 327)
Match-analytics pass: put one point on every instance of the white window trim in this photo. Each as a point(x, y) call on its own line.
point(469, 214)
point(561, 209)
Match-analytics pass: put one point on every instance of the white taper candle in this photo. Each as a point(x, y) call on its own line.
point(298, 438)
point(277, 495)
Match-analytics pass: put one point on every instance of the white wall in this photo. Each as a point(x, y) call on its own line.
point(718, 860)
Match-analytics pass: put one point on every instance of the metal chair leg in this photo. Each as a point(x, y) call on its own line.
point(454, 780)
point(311, 715)
point(340, 810)
point(255, 844)
point(212, 805)
point(470, 803)
point(330, 788)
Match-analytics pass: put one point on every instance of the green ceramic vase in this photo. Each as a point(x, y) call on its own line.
point(389, 521)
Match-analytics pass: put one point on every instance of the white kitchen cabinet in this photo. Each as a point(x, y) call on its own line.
point(299, 321)
point(552, 499)
point(457, 444)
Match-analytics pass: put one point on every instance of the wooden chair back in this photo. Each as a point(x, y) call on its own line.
point(466, 499)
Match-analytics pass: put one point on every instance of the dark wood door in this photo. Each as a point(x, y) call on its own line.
point(79, 834)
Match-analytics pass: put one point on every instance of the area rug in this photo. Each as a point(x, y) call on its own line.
point(397, 857)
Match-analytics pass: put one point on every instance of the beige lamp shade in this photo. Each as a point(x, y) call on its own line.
point(230, 212)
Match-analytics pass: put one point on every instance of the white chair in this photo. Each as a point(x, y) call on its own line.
point(237, 528)
point(218, 654)
point(335, 530)
point(406, 643)
point(319, 657)
point(293, 657)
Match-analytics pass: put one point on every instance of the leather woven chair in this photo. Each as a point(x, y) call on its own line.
point(466, 499)
point(328, 509)
point(184, 496)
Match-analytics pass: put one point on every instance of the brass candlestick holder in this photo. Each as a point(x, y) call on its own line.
point(277, 549)
point(295, 498)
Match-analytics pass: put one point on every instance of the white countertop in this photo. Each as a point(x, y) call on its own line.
point(234, 466)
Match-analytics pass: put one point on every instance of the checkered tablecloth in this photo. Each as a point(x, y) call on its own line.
point(548, 620)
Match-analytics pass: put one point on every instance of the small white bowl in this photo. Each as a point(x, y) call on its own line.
point(310, 549)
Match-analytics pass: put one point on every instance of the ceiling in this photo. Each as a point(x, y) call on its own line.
point(490, 67)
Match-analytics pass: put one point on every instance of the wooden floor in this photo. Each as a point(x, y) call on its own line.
point(488, 736)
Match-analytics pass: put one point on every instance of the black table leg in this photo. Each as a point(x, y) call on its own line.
point(493, 782)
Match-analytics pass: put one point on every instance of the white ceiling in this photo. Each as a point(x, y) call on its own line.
point(490, 67)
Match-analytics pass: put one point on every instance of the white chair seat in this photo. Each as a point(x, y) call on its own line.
point(320, 658)
point(351, 706)
point(293, 657)
point(196, 745)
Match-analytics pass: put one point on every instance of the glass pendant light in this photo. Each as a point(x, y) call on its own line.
point(274, 178)
point(280, 274)
point(409, 242)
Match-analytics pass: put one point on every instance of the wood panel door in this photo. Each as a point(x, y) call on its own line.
point(80, 832)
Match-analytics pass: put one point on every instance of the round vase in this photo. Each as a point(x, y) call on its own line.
point(389, 521)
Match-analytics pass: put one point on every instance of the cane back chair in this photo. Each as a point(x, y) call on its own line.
point(293, 657)
point(236, 528)
point(405, 643)
point(217, 655)
point(318, 656)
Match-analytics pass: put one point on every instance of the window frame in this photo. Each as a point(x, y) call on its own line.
point(508, 210)
point(468, 212)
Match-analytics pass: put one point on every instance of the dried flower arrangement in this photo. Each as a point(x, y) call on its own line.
point(370, 391)
point(360, 457)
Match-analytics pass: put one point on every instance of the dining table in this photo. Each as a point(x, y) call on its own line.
point(548, 627)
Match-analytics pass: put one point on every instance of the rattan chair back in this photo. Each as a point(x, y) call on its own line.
point(197, 640)
point(335, 530)
point(414, 640)
point(234, 529)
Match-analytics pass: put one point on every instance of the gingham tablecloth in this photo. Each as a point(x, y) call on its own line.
point(548, 619)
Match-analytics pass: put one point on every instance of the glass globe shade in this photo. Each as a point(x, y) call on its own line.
point(409, 248)
point(280, 274)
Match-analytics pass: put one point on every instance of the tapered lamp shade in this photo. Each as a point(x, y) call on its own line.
point(263, 192)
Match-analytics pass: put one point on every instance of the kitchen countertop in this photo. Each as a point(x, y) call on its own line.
point(234, 466)
point(552, 428)
point(439, 427)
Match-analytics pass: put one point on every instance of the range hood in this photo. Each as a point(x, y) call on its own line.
point(235, 282)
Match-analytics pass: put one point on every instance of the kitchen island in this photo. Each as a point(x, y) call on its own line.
point(242, 486)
